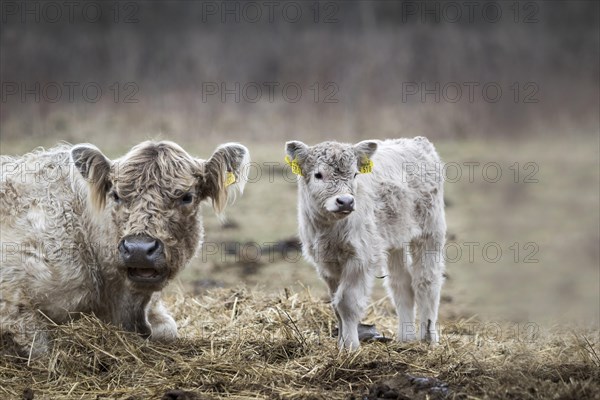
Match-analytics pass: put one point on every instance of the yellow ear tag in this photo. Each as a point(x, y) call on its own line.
point(294, 164)
point(230, 180)
point(366, 166)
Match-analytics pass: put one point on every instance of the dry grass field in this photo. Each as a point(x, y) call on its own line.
point(255, 322)
point(242, 343)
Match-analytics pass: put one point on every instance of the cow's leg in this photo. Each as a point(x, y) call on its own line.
point(145, 314)
point(427, 271)
point(350, 302)
point(399, 287)
point(23, 329)
point(130, 311)
point(162, 324)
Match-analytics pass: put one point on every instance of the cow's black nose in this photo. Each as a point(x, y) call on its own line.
point(345, 202)
point(140, 249)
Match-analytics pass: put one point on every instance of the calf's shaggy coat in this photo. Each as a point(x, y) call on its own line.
point(376, 205)
point(84, 234)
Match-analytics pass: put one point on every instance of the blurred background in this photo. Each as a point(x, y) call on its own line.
point(507, 91)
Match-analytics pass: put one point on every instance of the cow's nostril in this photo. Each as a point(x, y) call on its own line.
point(339, 201)
point(140, 249)
point(123, 248)
point(155, 248)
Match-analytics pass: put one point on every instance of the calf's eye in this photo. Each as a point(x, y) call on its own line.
point(187, 198)
point(319, 175)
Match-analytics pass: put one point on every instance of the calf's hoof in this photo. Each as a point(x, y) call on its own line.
point(367, 333)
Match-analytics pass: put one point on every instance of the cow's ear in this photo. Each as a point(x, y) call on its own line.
point(94, 167)
point(295, 153)
point(364, 151)
point(226, 174)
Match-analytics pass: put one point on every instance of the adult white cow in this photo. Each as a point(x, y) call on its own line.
point(84, 234)
point(370, 206)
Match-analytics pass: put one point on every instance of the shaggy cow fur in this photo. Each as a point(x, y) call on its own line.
point(353, 224)
point(64, 214)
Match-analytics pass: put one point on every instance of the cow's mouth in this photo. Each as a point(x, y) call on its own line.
point(146, 275)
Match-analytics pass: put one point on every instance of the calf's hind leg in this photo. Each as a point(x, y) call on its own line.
point(427, 280)
point(399, 286)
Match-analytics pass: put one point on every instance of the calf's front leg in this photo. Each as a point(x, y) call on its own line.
point(350, 302)
point(333, 284)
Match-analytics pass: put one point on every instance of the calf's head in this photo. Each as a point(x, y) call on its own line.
point(328, 174)
point(149, 201)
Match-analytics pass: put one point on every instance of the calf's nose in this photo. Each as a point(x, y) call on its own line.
point(140, 249)
point(345, 202)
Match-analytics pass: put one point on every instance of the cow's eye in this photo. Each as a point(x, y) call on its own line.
point(187, 198)
point(319, 175)
point(115, 196)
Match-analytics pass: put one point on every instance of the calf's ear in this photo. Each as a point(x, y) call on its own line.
point(295, 149)
point(295, 152)
point(364, 151)
point(94, 167)
point(226, 174)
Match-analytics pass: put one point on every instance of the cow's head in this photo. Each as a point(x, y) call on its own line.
point(328, 174)
point(152, 197)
